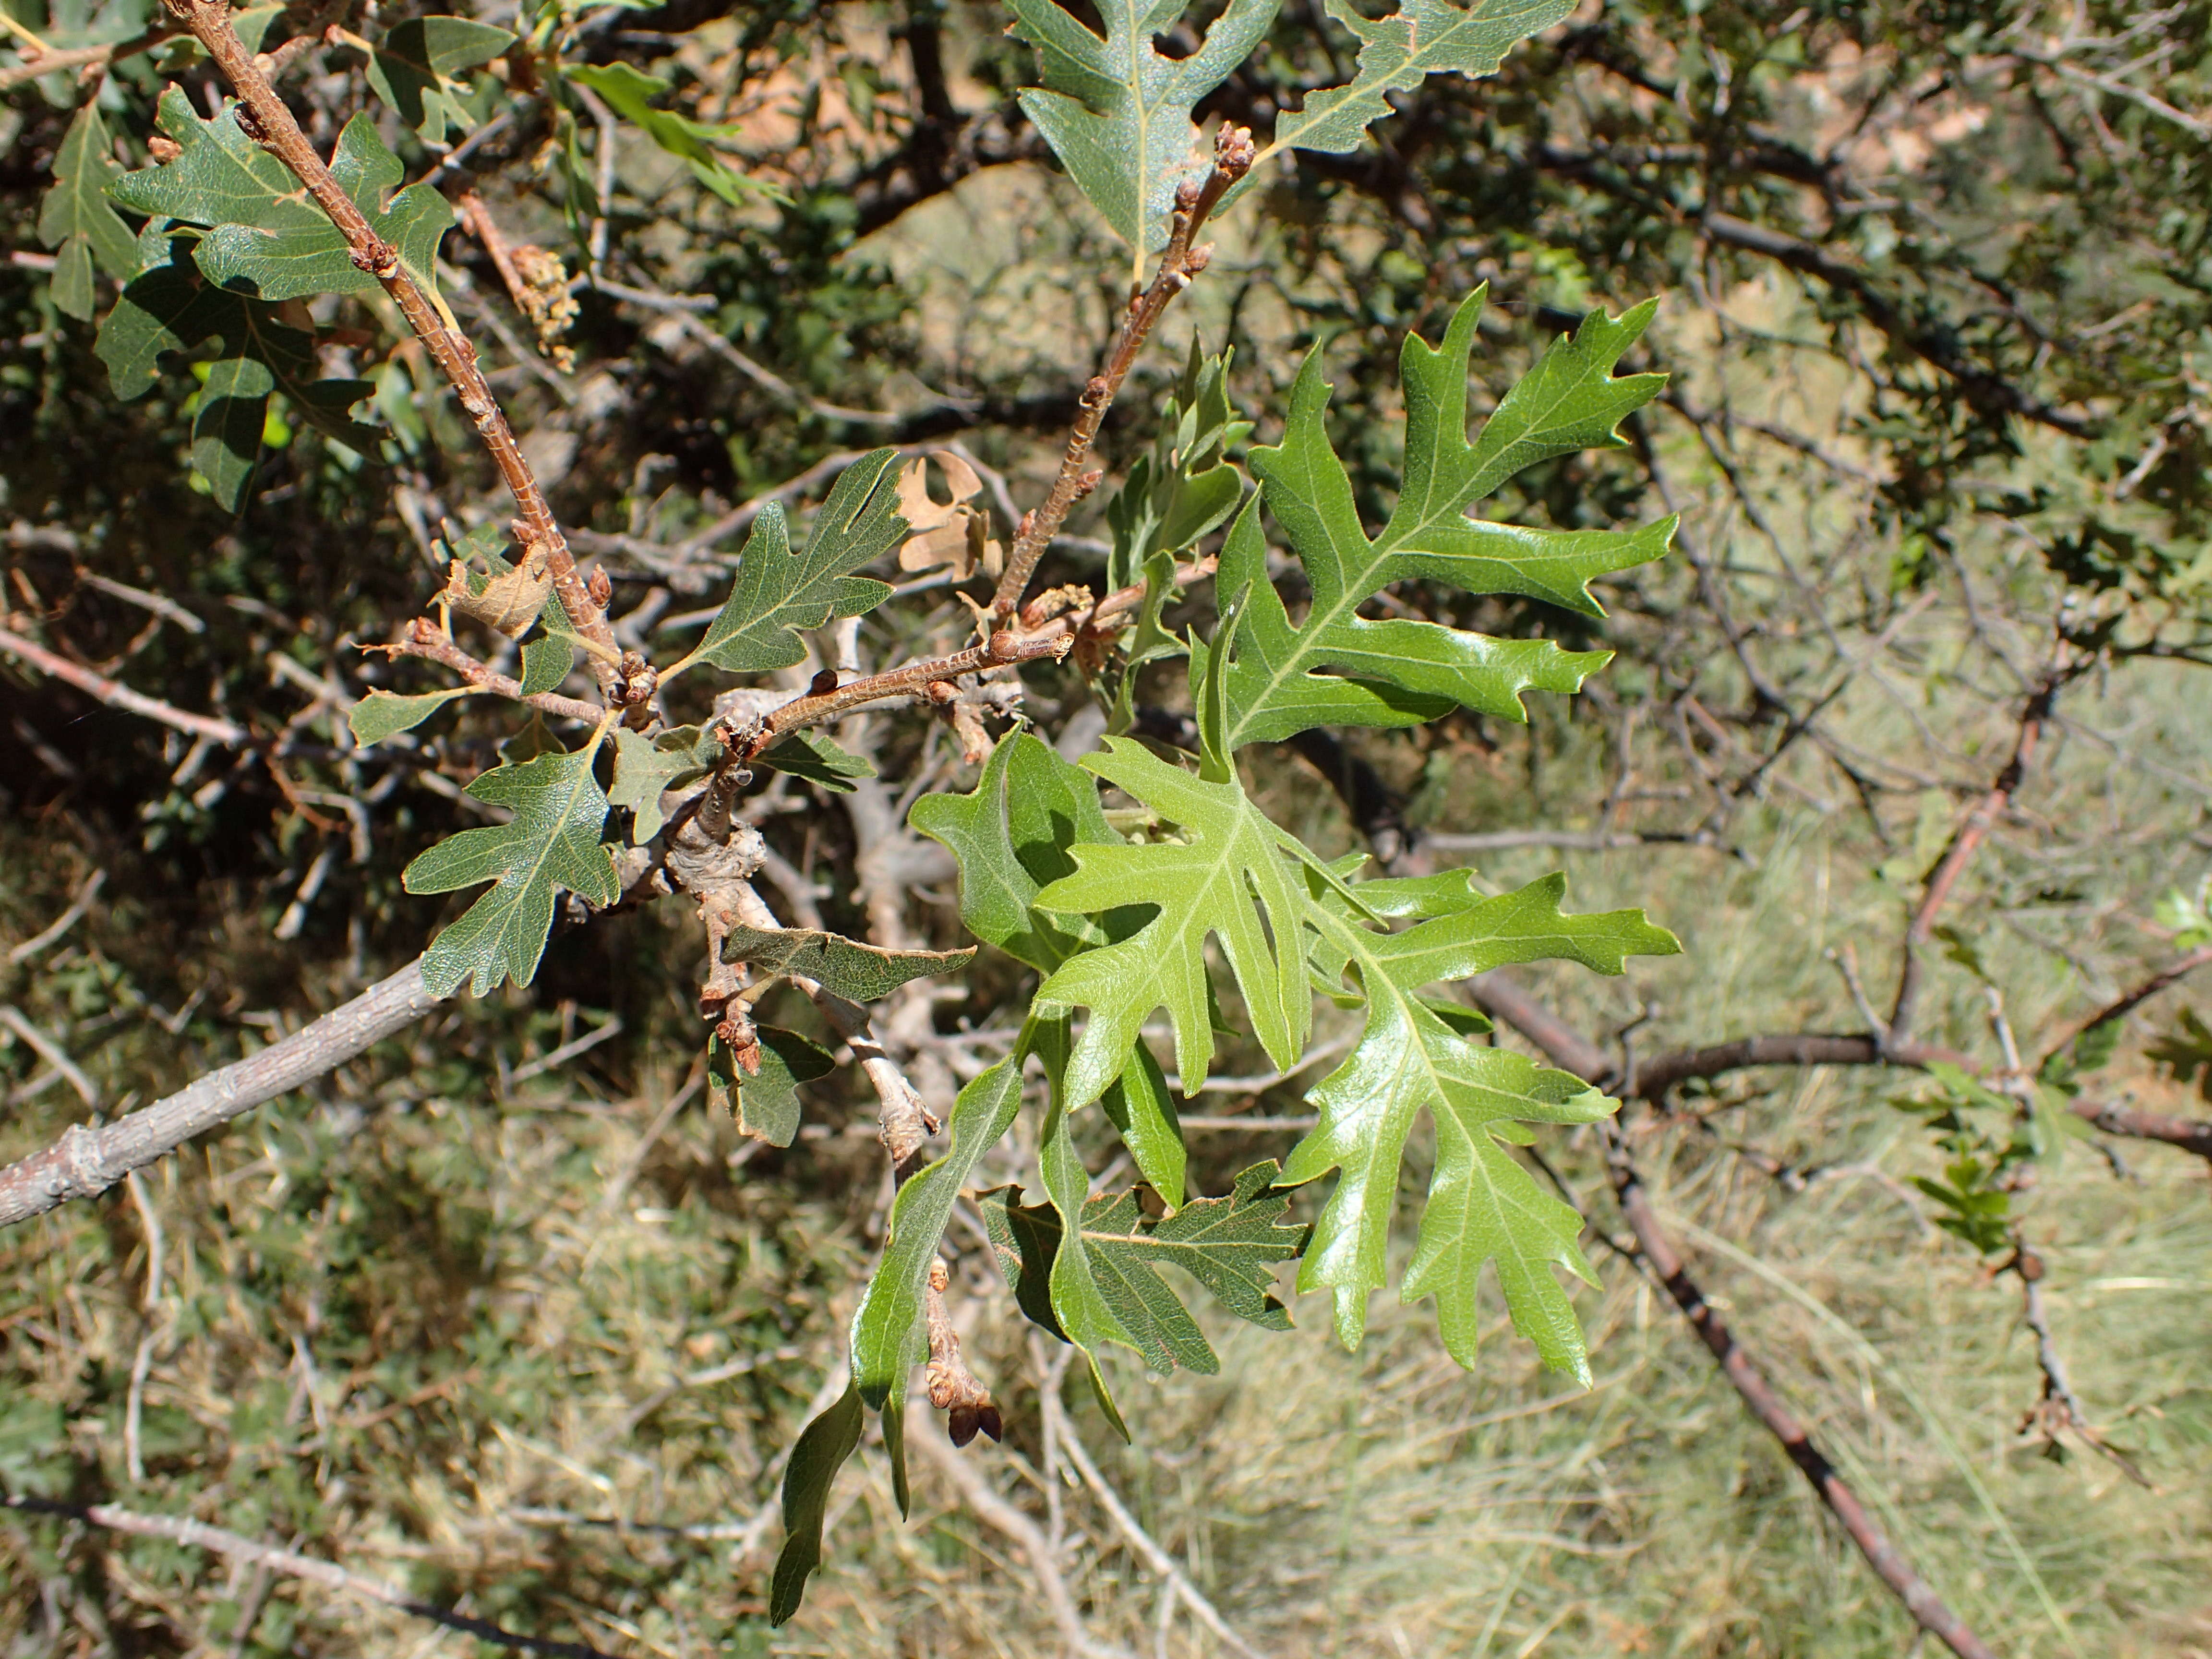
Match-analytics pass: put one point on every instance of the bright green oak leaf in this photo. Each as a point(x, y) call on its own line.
point(552, 844)
point(1483, 1207)
point(844, 967)
point(1011, 837)
point(778, 592)
point(1230, 1245)
point(169, 308)
point(413, 67)
point(887, 1326)
point(382, 714)
point(77, 220)
point(1396, 672)
point(1143, 1113)
point(646, 766)
point(822, 1448)
point(765, 1102)
point(1117, 111)
point(628, 92)
point(1228, 877)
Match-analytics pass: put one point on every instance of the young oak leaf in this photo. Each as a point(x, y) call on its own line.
point(552, 844)
point(1011, 837)
point(1228, 877)
point(1483, 1207)
point(1400, 673)
point(627, 91)
point(1230, 1245)
point(779, 593)
point(1117, 111)
point(76, 221)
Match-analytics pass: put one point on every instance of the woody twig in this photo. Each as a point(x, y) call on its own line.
point(265, 119)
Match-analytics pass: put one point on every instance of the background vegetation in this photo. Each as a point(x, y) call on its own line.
point(501, 1314)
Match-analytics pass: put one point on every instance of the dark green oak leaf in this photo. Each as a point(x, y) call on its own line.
point(1230, 1245)
point(551, 845)
point(765, 1102)
point(292, 260)
point(778, 594)
point(1117, 111)
point(77, 220)
point(413, 68)
point(887, 1326)
point(844, 967)
point(818, 759)
point(824, 1446)
point(169, 307)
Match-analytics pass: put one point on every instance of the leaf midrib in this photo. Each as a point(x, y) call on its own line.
point(561, 824)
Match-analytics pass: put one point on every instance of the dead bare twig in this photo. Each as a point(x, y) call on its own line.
point(86, 1162)
point(198, 1534)
point(1233, 155)
point(1743, 1373)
